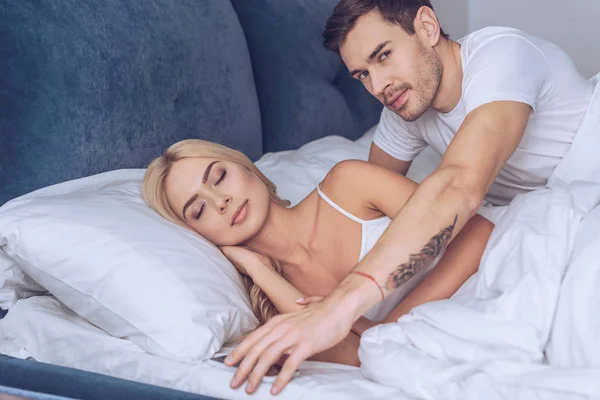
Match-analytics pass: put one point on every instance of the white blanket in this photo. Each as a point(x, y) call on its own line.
point(527, 324)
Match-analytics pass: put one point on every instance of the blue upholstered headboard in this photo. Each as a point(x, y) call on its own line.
point(88, 86)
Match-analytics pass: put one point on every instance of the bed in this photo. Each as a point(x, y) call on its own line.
point(91, 93)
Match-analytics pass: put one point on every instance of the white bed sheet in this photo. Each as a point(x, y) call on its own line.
point(526, 325)
point(42, 328)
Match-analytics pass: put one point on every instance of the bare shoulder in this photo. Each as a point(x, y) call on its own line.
point(343, 185)
point(358, 174)
point(356, 186)
point(344, 169)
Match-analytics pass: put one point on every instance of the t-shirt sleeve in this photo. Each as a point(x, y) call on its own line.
point(397, 138)
point(505, 68)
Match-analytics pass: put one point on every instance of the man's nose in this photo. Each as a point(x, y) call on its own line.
point(380, 83)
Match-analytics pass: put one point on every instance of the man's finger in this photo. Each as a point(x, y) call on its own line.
point(242, 349)
point(268, 357)
point(289, 367)
point(249, 361)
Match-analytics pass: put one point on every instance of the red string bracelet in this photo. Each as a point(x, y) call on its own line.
point(370, 277)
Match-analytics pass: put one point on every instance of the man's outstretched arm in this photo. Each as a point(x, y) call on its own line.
point(433, 215)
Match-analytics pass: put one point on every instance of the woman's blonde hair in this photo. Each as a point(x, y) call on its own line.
point(153, 192)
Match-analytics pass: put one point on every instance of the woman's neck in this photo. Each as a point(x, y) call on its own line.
point(287, 232)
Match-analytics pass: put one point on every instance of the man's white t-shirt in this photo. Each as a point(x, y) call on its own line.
point(504, 64)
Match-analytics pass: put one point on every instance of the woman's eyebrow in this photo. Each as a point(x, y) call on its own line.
point(207, 172)
point(187, 204)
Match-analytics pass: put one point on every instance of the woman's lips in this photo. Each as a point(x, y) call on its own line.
point(240, 214)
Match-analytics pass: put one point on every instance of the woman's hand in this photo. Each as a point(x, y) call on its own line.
point(245, 261)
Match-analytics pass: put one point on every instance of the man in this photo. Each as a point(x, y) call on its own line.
point(501, 106)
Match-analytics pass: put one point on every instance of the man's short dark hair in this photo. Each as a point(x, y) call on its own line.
point(347, 12)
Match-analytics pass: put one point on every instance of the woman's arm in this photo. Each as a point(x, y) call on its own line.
point(282, 294)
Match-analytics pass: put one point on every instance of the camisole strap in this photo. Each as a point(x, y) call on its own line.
point(340, 209)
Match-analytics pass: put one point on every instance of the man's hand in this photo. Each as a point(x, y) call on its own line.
point(292, 334)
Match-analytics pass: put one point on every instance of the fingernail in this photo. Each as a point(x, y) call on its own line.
point(228, 360)
point(234, 382)
point(249, 388)
point(274, 390)
point(301, 299)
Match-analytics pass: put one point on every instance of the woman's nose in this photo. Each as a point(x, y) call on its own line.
point(223, 203)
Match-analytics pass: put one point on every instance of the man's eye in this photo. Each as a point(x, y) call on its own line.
point(362, 75)
point(221, 178)
point(200, 211)
point(384, 55)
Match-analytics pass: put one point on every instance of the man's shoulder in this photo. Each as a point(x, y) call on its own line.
point(496, 42)
point(490, 33)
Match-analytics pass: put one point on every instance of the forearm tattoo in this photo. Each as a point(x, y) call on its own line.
point(420, 261)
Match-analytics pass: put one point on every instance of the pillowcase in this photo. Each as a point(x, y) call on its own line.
point(296, 173)
point(106, 255)
point(102, 252)
point(16, 285)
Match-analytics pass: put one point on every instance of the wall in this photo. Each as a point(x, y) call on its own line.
point(453, 16)
point(575, 28)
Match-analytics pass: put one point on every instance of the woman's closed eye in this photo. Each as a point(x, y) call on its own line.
point(199, 213)
point(219, 180)
point(221, 177)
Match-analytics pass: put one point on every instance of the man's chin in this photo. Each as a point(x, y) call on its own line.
point(408, 115)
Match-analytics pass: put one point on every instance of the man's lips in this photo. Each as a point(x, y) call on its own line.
point(239, 214)
point(398, 99)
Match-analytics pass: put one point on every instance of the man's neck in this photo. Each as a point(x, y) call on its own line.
point(450, 90)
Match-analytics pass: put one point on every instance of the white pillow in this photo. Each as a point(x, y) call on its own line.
point(15, 284)
point(296, 173)
point(106, 255)
point(101, 251)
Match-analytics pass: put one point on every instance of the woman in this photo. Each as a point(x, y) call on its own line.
point(306, 250)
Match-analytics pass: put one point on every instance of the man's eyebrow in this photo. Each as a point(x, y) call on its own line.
point(379, 47)
point(207, 172)
point(189, 203)
point(354, 72)
point(373, 54)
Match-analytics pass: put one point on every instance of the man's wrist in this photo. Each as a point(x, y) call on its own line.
point(355, 295)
